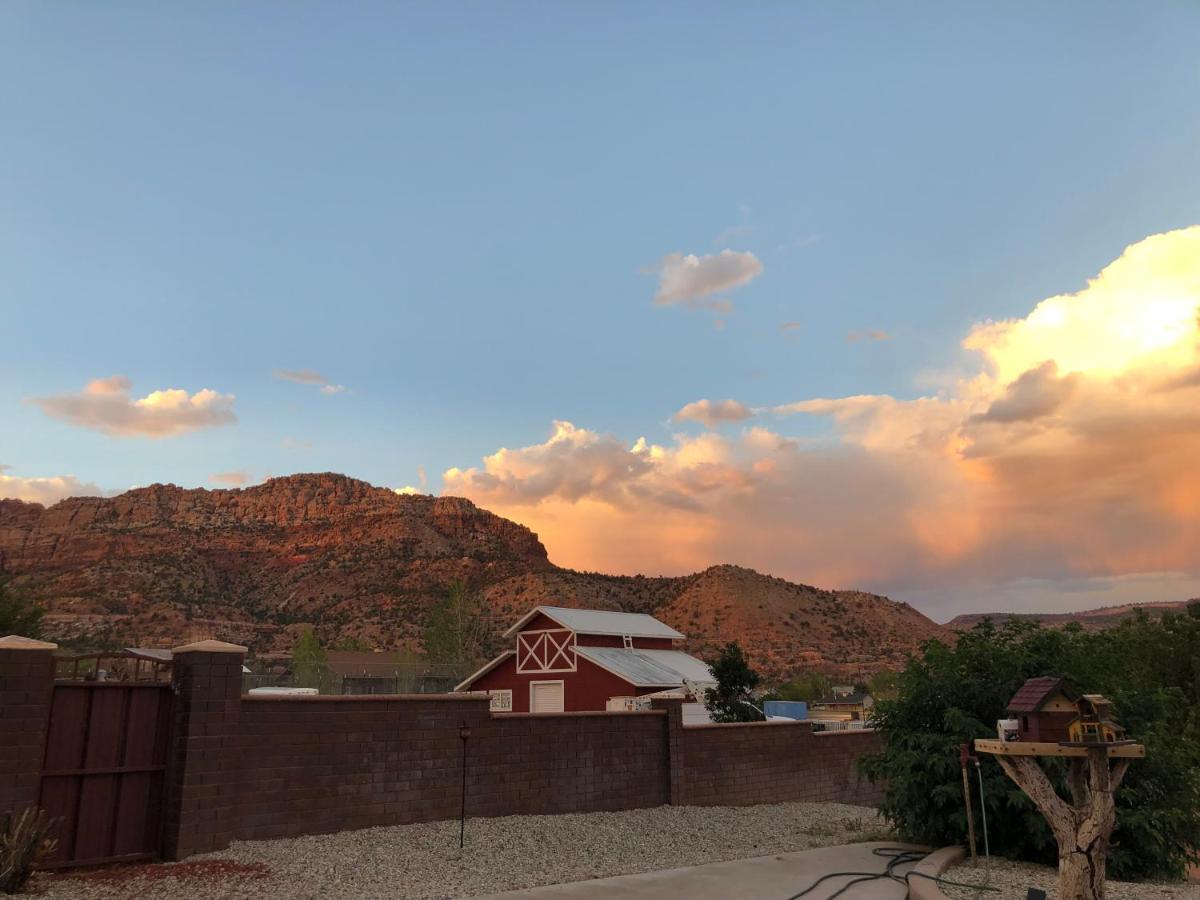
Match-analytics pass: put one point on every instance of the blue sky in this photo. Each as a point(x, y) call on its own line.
point(452, 210)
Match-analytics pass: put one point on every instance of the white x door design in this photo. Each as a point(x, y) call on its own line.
point(552, 650)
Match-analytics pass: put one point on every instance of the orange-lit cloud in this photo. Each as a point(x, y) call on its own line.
point(712, 413)
point(46, 491)
point(105, 405)
point(1070, 454)
point(231, 479)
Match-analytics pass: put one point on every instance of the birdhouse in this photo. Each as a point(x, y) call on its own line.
point(1093, 723)
point(1044, 709)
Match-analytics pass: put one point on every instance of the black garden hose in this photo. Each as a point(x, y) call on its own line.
point(896, 857)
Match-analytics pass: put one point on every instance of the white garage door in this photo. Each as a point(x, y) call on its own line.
point(546, 696)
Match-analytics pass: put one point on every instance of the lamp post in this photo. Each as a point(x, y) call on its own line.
point(464, 732)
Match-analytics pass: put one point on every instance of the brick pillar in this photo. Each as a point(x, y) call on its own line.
point(26, 689)
point(201, 795)
point(674, 708)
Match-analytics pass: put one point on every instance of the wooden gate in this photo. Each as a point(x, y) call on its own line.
point(105, 768)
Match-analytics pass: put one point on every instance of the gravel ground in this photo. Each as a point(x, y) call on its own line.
point(412, 861)
point(1015, 878)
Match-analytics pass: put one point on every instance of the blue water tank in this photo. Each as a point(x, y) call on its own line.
point(786, 709)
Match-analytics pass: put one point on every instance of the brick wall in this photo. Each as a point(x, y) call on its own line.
point(26, 680)
point(773, 762)
point(260, 767)
point(309, 765)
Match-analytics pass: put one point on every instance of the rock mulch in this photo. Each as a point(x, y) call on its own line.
point(1015, 878)
point(423, 861)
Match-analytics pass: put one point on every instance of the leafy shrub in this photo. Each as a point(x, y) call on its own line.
point(1149, 669)
point(26, 838)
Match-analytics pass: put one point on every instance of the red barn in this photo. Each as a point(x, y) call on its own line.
point(571, 660)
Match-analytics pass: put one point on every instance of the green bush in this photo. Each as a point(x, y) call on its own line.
point(1149, 669)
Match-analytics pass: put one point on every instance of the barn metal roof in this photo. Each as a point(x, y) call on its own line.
point(649, 668)
point(600, 621)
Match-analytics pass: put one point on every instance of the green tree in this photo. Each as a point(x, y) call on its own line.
point(458, 630)
point(308, 660)
point(809, 687)
point(883, 685)
point(1149, 669)
point(18, 614)
point(732, 700)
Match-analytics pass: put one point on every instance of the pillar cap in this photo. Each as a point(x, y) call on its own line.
point(209, 647)
point(16, 642)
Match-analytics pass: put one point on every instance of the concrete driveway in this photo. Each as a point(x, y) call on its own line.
point(760, 878)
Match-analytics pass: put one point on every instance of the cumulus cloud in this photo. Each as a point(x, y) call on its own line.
point(46, 491)
point(310, 377)
point(688, 279)
point(712, 413)
point(105, 405)
point(1033, 395)
point(231, 479)
point(1070, 454)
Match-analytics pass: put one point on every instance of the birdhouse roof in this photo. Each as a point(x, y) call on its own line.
point(1035, 692)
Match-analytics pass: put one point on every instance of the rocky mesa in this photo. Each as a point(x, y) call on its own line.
point(159, 565)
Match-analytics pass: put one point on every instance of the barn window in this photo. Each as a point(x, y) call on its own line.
point(501, 701)
point(627, 641)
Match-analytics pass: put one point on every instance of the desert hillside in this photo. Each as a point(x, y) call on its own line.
point(162, 564)
point(1089, 619)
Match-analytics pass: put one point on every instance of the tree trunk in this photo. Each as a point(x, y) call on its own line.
point(1082, 828)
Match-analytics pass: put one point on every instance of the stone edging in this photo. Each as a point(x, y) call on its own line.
point(933, 865)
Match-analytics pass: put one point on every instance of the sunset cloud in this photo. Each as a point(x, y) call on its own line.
point(1070, 453)
point(231, 479)
point(712, 413)
point(46, 491)
point(688, 279)
point(310, 377)
point(105, 405)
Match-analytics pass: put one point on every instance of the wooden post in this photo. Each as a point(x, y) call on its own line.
point(1084, 826)
point(967, 801)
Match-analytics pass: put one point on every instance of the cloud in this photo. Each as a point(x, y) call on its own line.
point(1061, 457)
point(711, 413)
point(46, 491)
point(105, 405)
point(311, 377)
point(407, 489)
point(875, 334)
point(231, 479)
point(687, 279)
point(1033, 395)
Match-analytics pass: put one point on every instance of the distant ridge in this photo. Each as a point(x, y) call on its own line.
point(1090, 619)
point(161, 565)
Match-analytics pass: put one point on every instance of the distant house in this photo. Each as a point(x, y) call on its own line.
point(574, 660)
point(844, 704)
point(1044, 709)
